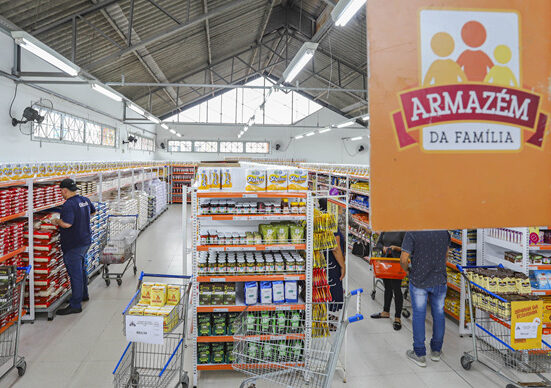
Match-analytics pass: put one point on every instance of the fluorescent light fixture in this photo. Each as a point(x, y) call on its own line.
point(33, 45)
point(345, 10)
point(299, 137)
point(153, 119)
point(365, 118)
point(310, 134)
point(325, 130)
point(164, 126)
point(136, 108)
point(344, 125)
point(301, 59)
point(173, 131)
point(178, 135)
point(245, 129)
point(106, 92)
point(356, 138)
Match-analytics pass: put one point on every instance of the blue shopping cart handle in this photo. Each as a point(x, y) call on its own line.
point(357, 291)
point(157, 275)
point(27, 269)
point(355, 318)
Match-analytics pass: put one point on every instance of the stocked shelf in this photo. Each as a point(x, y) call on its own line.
point(451, 314)
point(252, 366)
point(540, 247)
point(452, 266)
point(250, 278)
point(262, 247)
point(230, 338)
point(258, 194)
point(361, 223)
point(46, 207)
point(358, 207)
point(12, 217)
point(12, 254)
point(454, 287)
point(363, 238)
point(259, 307)
point(253, 217)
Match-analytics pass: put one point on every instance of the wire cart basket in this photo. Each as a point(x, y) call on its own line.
point(389, 268)
point(11, 310)
point(290, 350)
point(492, 345)
point(120, 247)
point(149, 365)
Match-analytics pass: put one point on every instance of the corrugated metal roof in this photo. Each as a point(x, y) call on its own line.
point(182, 56)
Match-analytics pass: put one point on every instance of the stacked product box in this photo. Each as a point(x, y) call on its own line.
point(151, 207)
point(99, 228)
point(11, 236)
point(44, 195)
point(13, 201)
point(87, 188)
point(143, 206)
point(157, 189)
point(51, 280)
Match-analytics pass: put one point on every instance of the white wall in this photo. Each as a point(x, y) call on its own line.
point(327, 147)
point(17, 146)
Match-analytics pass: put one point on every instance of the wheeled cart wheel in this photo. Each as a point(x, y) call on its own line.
point(135, 270)
point(373, 295)
point(119, 281)
point(185, 381)
point(22, 368)
point(466, 363)
point(107, 282)
point(406, 313)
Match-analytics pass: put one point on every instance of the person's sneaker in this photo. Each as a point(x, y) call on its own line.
point(86, 299)
point(435, 356)
point(419, 360)
point(68, 310)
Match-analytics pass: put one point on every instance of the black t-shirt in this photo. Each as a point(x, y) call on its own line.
point(387, 239)
point(76, 211)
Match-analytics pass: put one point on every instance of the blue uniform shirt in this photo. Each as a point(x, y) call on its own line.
point(428, 250)
point(76, 211)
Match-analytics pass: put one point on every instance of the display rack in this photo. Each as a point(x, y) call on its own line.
point(181, 175)
point(526, 243)
point(108, 178)
point(462, 250)
point(240, 223)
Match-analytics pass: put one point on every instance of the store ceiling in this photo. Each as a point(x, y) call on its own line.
point(201, 42)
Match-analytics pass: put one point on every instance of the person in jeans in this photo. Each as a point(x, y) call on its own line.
point(390, 243)
point(428, 252)
point(76, 237)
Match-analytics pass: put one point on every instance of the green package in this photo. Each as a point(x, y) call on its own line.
point(219, 324)
point(218, 353)
point(266, 322)
point(295, 321)
point(203, 353)
point(233, 323)
point(297, 233)
point(203, 324)
point(252, 350)
point(281, 321)
point(282, 351)
point(230, 358)
point(205, 294)
point(295, 350)
point(282, 231)
point(251, 322)
point(268, 351)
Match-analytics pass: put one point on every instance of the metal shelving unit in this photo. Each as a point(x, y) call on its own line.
point(246, 220)
point(181, 175)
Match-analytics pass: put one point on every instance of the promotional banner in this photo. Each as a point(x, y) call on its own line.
point(526, 324)
point(459, 102)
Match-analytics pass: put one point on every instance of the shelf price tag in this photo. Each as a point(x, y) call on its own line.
point(220, 310)
point(144, 329)
point(250, 195)
point(288, 278)
point(283, 308)
point(217, 280)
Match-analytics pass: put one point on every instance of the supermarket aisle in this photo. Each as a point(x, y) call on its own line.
point(82, 350)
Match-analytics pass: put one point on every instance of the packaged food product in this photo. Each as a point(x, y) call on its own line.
point(282, 231)
point(251, 293)
point(218, 353)
point(266, 292)
point(158, 296)
point(203, 178)
point(278, 291)
point(230, 358)
point(298, 180)
point(291, 292)
point(173, 294)
point(296, 233)
point(256, 180)
point(204, 324)
point(205, 294)
point(218, 324)
point(277, 179)
point(266, 322)
point(146, 292)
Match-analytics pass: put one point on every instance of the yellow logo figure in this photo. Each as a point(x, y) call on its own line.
point(443, 71)
point(501, 75)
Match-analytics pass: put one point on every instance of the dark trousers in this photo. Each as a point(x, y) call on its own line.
point(393, 287)
point(74, 262)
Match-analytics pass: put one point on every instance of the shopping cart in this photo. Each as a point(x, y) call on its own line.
point(389, 268)
point(148, 365)
point(121, 246)
point(11, 310)
point(290, 349)
point(492, 345)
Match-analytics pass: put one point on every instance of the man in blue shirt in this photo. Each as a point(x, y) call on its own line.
point(76, 237)
point(428, 251)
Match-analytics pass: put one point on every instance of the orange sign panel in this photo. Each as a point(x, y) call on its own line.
point(460, 97)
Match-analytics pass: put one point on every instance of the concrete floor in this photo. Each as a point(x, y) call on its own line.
point(82, 350)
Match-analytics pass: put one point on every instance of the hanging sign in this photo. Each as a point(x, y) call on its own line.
point(460, 97)
point(526, 324)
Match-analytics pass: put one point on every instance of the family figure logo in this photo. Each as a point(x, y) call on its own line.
point(471, 96)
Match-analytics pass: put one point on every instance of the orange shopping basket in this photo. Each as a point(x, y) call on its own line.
point(387, 268)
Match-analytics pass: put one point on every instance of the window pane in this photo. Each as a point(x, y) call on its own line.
point(257, 147)
point(206, 146)
point(214, 110)
point(179, 146)
point(231, 146)
point(252, 99)
point(109, 136)
point(228, 106)
point(93, 133)
point(50, 128)
point(73, 129)
point(278, 108)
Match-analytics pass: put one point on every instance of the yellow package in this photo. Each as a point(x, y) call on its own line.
point(158, 296)
point(152, 311)
point(277, 180)
point(298, 180)
point(226, 178)
point(214, 179)
point(146, 292)
point(203, 179)
point(256, 180)
point(173, 295)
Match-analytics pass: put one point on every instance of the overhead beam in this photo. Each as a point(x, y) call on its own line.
point(166, 33)
point(67, 19)
point(160, 8)
point(263, 25)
